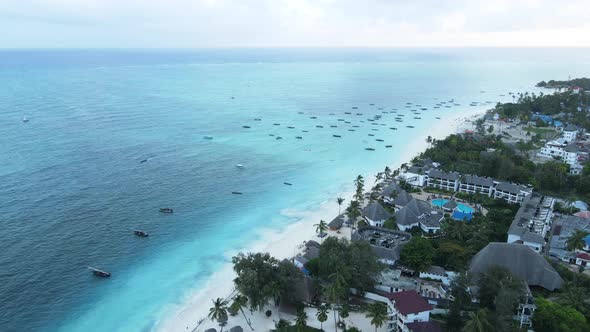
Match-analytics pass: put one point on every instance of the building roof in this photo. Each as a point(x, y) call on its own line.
point(390, 188)
point(409, 302)
point(522, 261)
point(583, 214)
point(430, 326)
point(420, 170)
point(572, 147)
point(583, 255)
point(477, 180)
point(375, 211)
point(312, 243)
point(529, 211)
point(409, 214)
point(450, 205)
point(435, 173)
point(311, 253)
point(401, 196)
point(337, 222)
point(511, 187)
point(393, 252)
point(563, 227)
point(570, 127)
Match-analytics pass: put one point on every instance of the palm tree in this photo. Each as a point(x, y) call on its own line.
point(478, 322)
point(344, 311)
point(576, 240)
point(219, 312)
point(339, 200)
point(301, 319)
point(359, 182)
point(378, 314)
point(322, 315)
point(429, 140)
point(238, 304)
point(321, 228)
point(387, 173)
point(353, 212)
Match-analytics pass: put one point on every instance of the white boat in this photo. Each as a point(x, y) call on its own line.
point(239, 166)
point(25, 118)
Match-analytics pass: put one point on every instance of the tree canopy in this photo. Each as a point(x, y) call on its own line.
point(417, 254)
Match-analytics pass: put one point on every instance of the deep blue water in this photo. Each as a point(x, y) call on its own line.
point(72, 186)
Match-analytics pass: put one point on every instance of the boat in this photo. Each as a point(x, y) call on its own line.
point(347, 113)
point(143, 161)
point(378, 140)
point(417, 118)
point(437, 117)
point(340, 120)
point(375, 129)
point(166, 210)
point(371, 134)
point(298, 137)
point(25, 119)
point(140, 233)
point(313, 117)
point(236, 192)
point(305, 131)
point(393, 128)
point(410, 126)
point(371, 104)
point(208, 137)
point(359, 114)
point(318, 126)
point(300, 113)
point(388, 146)
point(287, 183)
point(99, 273)
point(333, 126)
point(276, 124)
point(336, 136)
point(271, 135)
point(291, 127)
point(257, 119)
point(350, 129)
point(354, 108)
point(369, 149)
point(278, 137)
point(247, 127)
point(355, 126)
point(239, 166)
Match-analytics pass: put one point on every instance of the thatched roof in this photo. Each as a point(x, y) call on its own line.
point(375, 211)
point(522, 261)
point(337, 222)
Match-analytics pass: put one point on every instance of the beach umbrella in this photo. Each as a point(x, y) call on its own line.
point(236, 329)
point(211, 330)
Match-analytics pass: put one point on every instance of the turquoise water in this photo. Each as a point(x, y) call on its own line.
point(73, 185)
point(466, 209)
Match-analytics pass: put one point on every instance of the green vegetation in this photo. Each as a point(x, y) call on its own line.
point(540, 131)
point(218, 312)
point(378, 314)
point(551, 316)
point(584, 83)
point(262, 278)
point(417, 254)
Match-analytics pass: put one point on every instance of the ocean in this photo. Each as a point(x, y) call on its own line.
point(114, 135)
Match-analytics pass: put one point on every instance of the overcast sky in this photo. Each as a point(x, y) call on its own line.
point(293, 23)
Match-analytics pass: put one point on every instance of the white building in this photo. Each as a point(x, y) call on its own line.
point(443, 180)
point(532, 222)
point(438, 273)
point(375, 214)
point(570, 133)
point(512, 193)
point(473, 184)
point(568, 153)
point(415, 176)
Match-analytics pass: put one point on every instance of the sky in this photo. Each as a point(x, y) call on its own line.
point(293, 23)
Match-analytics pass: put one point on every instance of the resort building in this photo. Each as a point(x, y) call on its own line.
point(520, 260)
point(443, 180)
point(570, 133)
point(336, 223)
point(564, 226)
point(532, 222)
point(415, 176)
point(404, 308)
point(375, 214)
point(418, 213)
point(473, 184)
point(395, 196)
point(438, 273)
point(512, 193)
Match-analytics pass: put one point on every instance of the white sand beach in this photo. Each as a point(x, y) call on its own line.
point(287, 242)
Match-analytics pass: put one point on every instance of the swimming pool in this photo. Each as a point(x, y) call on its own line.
point(463, 208)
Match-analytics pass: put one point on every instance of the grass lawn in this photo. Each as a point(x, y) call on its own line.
point(541, 131)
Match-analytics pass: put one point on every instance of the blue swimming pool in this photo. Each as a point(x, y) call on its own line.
point(461, 212)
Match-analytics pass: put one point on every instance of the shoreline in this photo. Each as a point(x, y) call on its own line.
point(287, 241)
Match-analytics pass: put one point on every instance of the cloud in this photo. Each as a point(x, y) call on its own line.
point(267, 23)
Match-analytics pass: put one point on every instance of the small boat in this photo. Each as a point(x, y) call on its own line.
point(375, 129)
point(140, 233)
point(350, 129)
point(319, 126)
point(236, 192)
point(393, 128)
point(300, 113)
point(99, 273)
point(380, 108)
point(337, 136)
point(271, 135)
point(378, 140)
point(305, 131)
point(239, 166)
point(347, 113)
point(143, 161)
point(276, 124)
point(410, 126)
point(313, 117)
point(359, 114)
point(208, 137)
point(166, 210)
point(278, 137)
point(332, 126)
point(257, 119)
point(437, 117)
point(388, 146)
point(371, 104)
point(355, 126)
point(25, 119)
point(298, 137)
point(369, 149)
point(355, 108)
point(417, 118)
point(291, 127)
point(287, 183)
point(247, 127)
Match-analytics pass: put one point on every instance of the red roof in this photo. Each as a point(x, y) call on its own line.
point(583, 256)
point(431, 326)
point(409, 302)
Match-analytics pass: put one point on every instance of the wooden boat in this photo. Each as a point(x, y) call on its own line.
point(355, 108)
point(208, 137)
point(338, 136)
point(166, 210)
point(236, 192)
point(369, 149)
point(388, 146)
point(239, 166)
point(410, 126)
point(392, 128)
point(287, 183)
point(379, 140)
point(291, 127)
point(298, 137)
point(257, 119)
point(140, 233)
point(247, 127)
point(278, 137)
point(99, 273)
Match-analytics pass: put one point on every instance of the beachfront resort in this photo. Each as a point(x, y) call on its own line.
point(477, 229)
